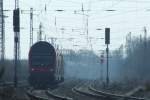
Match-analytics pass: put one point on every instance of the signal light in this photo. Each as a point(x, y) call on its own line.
point(16, 20)
point(107, 35)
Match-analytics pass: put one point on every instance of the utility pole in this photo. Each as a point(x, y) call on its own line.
point(55, 24)
point(2, 35)
point(39, 38)
point(145, 38)
point(91, 46)
point(107, 41)
point(87, 23)
point(31, 27)
point(62, 32)
point(129, 43)
point(145, 47)
point(140, 38)
point(107, 77)
point(31, 24)
point(87, 30)
point(53, 41)
point(16, 26)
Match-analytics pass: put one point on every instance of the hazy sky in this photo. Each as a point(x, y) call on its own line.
point(129, 16)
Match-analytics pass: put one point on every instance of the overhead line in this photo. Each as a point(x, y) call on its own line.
point(121, 13)
point(119, 1)
point(142, 1)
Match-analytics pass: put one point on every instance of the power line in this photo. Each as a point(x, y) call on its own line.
point(118, 2)
point(121, 13)
point(139, 1)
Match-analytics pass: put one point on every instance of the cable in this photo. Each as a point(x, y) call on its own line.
point(140, 1)
point(119, 1)
point(71, 1)
point(121, 13)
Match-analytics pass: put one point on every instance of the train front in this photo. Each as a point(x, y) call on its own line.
point(42, 63)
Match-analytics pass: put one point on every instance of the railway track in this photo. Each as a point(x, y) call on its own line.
point(84, 90)
point(114, 96)
point(58, 97)
point(88, 90)
point(49, 94)
point(69, 92)
point(9, 92)
point(75, 90)
point(37, 95)
point(45, 95)
point(20, 83)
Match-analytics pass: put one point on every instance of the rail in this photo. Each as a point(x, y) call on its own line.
point(110, 95)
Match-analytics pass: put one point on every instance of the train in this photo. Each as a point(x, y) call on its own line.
point(46, 65)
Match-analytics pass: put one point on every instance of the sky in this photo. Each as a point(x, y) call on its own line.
point(128, 16)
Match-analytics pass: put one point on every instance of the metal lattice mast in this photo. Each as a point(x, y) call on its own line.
point(16, 25)
point(16, 4)
point(145, 37)
point(31, 26)
point(2, 34)
point(39, 38)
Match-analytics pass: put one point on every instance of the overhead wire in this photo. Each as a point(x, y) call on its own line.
point(119, 1)
point(110, 6)
point(73, 2)
point(140, 1)
point(118, 14)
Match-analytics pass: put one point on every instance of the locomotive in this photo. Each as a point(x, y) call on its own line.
point(46, 65)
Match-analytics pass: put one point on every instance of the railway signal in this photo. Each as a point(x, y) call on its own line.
point(16, 20)
point(107, 42)
point(107, 35)
point(16, 26)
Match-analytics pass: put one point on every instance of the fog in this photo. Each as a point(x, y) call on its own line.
point(136, 65)
point(86, 65)
point(128, 63)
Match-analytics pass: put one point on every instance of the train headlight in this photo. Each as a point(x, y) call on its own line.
point(32, 69)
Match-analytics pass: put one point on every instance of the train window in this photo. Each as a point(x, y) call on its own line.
point(42, 60)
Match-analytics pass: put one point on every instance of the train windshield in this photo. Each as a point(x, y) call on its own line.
point(42, 60)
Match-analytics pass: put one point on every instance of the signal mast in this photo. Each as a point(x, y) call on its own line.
point(16, 28)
